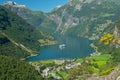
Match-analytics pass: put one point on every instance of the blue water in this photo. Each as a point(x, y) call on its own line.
point(74, 48)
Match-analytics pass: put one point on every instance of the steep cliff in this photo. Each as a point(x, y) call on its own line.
point(86, 18)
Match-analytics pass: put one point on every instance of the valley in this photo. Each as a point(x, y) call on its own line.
point(77, 41)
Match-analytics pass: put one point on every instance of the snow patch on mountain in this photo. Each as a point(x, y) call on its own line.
point(14, 4)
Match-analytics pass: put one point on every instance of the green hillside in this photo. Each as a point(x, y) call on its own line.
point(17, 37)
point(36, 18)
point(10, 49)
point(13, 69)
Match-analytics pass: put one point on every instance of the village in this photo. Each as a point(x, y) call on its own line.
point(58, 69)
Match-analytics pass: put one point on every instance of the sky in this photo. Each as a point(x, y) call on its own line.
point(42, 5)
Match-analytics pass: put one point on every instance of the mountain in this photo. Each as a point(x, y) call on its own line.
point(35, 18)
point(86, 18)
point(13, 69)
point(17, 37)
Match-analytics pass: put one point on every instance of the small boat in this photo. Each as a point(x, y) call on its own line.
point(62, 46)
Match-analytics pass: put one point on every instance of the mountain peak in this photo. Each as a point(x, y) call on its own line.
point(10, 3)
point(14, 4)
point(85, 1)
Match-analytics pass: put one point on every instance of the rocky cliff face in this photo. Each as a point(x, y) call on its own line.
point(86, 17)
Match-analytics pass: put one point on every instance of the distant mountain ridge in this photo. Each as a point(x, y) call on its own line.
point(85, 18)
point(36, 18)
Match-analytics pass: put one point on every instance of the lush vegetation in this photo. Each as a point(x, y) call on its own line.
point(101, 64)
point(13, 69)
point(35, 18)
point(109, 44)
point(7, 48)
point(17, 29)
point(112, 41)
point(107, 38)
point(18, 33)
point(93, 18)
point(108, 57)
point(88, 66)
point(17, 37)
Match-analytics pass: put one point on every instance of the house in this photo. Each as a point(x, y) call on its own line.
point(45, 72)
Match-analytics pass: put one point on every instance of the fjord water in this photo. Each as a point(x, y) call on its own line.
point(75, 47)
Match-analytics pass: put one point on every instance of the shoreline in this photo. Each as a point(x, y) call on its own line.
point(37, 53)
point(32, 55)
point(60, 59)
